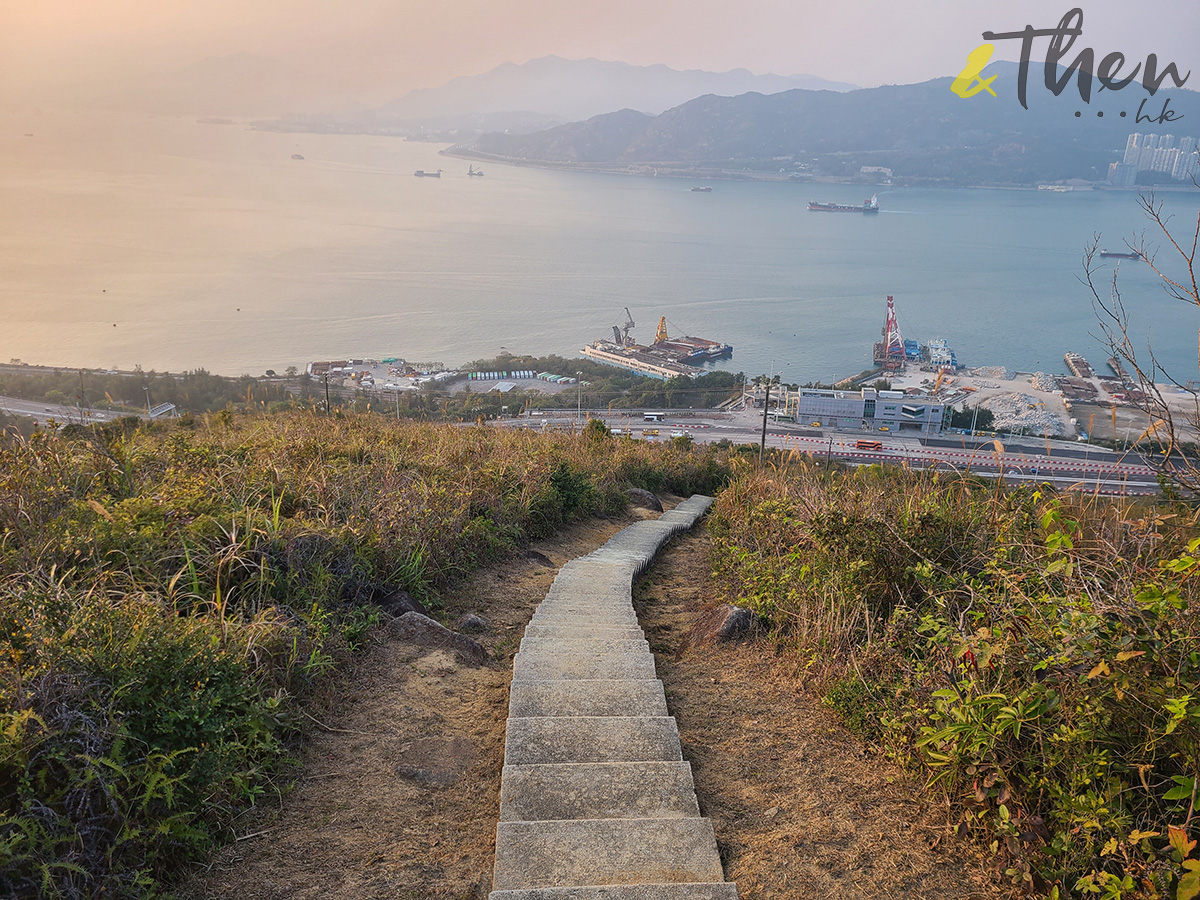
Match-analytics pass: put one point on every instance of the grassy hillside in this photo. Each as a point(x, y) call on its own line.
point(1036, 655)
point(168, 597)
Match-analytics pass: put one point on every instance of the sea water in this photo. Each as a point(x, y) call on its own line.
point(172, 244)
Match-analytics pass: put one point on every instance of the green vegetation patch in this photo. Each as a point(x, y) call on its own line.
point(169, 596)
point(1036, 655)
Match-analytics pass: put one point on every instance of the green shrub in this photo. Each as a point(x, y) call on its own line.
point(1037, 656)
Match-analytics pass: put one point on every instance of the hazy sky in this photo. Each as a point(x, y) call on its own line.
point(383, 48)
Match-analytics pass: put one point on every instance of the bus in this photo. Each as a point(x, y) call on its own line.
point(868, 445)
point(653, 417)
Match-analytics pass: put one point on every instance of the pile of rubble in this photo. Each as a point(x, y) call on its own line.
point(1020, 411)
point(1001, 373)
point(1043, 382)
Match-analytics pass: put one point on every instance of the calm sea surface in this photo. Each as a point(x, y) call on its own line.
point(174, 245)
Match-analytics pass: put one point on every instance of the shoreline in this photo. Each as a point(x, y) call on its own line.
point(683, 171)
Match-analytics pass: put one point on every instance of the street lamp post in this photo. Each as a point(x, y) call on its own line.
point(578, 397)
point(146, 388)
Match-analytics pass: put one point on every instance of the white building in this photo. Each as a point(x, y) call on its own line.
point(866, 410)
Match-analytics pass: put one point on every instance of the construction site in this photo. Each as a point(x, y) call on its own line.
point(1081, 404)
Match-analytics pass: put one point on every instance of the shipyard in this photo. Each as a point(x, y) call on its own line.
point(666, 358)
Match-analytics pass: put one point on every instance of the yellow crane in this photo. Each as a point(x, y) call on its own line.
point(661, 334)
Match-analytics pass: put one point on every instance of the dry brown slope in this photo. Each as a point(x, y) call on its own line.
point(800, 807)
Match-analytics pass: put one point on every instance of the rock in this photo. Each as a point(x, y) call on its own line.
point(644, 499)
point(737, 624)
point(720, 625)
point(419, 629)
point(539, 557)
point(398, 602)
point(771, 813)
point(472, 624)
point(393, 601)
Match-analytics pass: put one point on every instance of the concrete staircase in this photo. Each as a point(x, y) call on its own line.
point(596, 802)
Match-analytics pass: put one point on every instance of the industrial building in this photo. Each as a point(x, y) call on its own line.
point(865, 410)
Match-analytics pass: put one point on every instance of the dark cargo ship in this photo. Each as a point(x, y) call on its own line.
point(868, 206)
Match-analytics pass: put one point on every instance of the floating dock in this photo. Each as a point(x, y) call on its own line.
point(666, 358)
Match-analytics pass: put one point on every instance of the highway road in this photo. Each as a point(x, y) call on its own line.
point(63, 415)
point(1067, 466)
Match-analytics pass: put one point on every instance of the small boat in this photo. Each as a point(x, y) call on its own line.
point(297, 156)
point(421, 173)
point(702, 190)
point(1113, 254)
point(474, 172)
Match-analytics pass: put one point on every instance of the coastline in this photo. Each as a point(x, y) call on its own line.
point(708, 173)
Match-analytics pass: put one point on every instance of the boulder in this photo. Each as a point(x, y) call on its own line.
point(472, 624)
point(722, 624)
point(644, 499)
point(736, 624)
point(415, 628)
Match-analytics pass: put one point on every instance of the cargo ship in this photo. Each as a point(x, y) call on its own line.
point(666, 358)
point(868, 206)
point(702, 190)
point(1112, 254)
point(421, 173)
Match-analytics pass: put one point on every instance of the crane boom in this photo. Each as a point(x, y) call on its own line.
point(628, 326)
point(661, 334)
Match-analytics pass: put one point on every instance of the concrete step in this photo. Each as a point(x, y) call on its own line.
point(547, 664)
point(584, 643)
point(592, 589)
point(605, 852)
point(570, 631)
point(583, 596)
point(591, 739)
point(583, 617)
point(640, 790)
point(606, 697)
point(625, 892)
point(622, 612)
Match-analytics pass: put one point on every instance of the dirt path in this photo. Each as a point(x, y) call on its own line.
point(399, 795)
point(800, 808)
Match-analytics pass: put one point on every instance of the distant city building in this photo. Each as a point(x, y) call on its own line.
point(1122, 175)
point(876, 170)
point(866, 410)
point(1176, 157)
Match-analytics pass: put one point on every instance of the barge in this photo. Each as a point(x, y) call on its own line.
point(666, 358)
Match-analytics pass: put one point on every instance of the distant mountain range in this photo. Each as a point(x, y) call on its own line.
point(920, 131)
point(525, 97)
point(572, 89)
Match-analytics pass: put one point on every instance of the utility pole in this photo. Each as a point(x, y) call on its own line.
point(766, 403)
point(578, 397)
point(146, 388)
point(829, 454)
point(327, 392)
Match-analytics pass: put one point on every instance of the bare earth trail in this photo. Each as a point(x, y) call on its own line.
point(398, 795)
